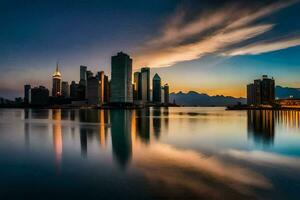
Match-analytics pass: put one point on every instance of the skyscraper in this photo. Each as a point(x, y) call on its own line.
point(100, 77)
point(162, 95)
point(65, 89)
point(137, 86)
point(262, 91)
point(89, 74)
point(39, 96)
point(166, 93)
point(257, 91)
point(156, 89)
point(56, 82)
point(83, 73)
point(73, 90)
point(106, 89)
point(83, 81)
point(121, 78)
point(267, 90)
point(27, 93)
point(145, 84)
point(93, 91)
point(250, 94)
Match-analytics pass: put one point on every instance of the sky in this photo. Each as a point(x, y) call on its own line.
point(214, 47)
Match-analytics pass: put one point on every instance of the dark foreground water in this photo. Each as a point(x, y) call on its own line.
point(175, 153)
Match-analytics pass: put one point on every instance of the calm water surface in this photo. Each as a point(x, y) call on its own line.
point(175, 153)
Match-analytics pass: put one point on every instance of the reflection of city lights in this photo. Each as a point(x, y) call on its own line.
point(102, 129)
point(57, 136)
point(133, 129)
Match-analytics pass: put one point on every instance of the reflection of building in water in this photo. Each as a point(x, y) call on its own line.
point(120, 121)
point(261, 123)
point(133, 130)
point(288, 118)
point(261, 126)
point(27, 127)
point(65, 114)
point(57, 136)
point(39, 114)
point(83, 141)
point(72, 115)
point(165, 114)
point(90, 131)
point(89, 115)
point(143, 124)
point(156, 122)
point(103, 127)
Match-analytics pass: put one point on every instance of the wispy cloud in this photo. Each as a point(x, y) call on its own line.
point(264, 46)
point(185, 39)
point(172, 55)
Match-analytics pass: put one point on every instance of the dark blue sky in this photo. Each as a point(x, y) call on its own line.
point(208, 46)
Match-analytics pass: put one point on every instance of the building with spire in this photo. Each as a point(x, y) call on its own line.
point(56, 82)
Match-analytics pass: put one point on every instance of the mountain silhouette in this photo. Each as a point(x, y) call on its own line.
point(193, 98)
point(286, 92)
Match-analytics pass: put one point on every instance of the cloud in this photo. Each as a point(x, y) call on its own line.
point(172, 55)
point(263, 47)
point(186, 38)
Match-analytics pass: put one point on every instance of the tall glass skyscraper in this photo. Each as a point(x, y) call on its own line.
point(145, 84)
point(83, 80)
point(121, 78)
point(156, 89)
point(83, 70)
point(137, 86)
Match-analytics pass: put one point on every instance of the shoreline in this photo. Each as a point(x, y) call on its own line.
point(107, 107)
point(229, 108)
point(133, 107)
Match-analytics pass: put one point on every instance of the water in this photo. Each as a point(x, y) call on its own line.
point(167, 153)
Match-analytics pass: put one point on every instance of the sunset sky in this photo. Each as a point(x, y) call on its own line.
point(213, 47)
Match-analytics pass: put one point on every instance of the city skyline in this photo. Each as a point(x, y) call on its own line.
point(265, 43)
point(98, 90)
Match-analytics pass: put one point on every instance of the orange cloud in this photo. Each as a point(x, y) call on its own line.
point(210, 32)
